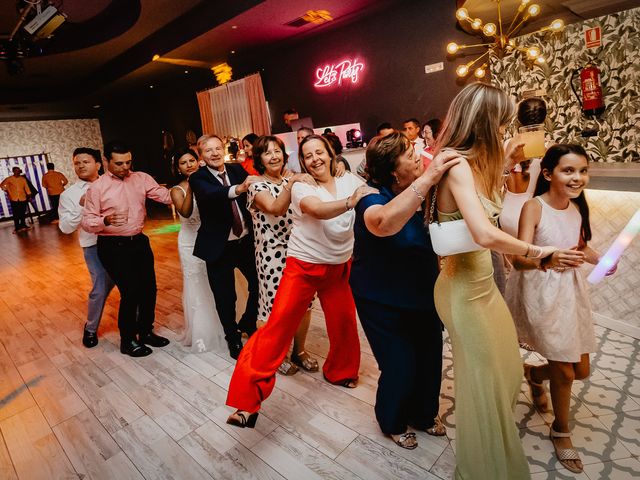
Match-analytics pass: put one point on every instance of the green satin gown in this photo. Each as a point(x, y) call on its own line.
point(487, 364)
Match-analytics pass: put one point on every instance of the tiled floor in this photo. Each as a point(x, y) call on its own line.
point(69, 412)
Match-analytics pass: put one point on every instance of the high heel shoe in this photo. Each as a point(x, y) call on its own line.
point(540, 400)
point(243, 419)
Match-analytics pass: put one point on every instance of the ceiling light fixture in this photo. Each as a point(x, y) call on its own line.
point(317, 16)
point(498, 40)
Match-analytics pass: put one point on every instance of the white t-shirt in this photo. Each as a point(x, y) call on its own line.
point(323, 241)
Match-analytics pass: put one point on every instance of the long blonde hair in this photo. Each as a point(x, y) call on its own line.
point(472, 128)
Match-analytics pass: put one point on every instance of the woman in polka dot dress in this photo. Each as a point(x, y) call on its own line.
point(268, 201)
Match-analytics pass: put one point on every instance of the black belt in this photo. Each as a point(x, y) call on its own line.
point(117, 238)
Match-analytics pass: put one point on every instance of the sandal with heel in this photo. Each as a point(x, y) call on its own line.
point(540, 400)
point(565, 455)
point(305, 361)
point(243, 419)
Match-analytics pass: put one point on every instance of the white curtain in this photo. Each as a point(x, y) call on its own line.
point(230, 107)
point(236, 108)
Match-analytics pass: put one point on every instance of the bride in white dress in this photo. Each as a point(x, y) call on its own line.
point(203, 331)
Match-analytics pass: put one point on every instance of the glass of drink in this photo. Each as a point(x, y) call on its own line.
point(123, 211)
point(533, 138)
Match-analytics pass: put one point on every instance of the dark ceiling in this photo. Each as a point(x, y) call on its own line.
point(105, 46)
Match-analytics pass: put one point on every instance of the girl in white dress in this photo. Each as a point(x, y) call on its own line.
point(549, 299)
point(203, 330)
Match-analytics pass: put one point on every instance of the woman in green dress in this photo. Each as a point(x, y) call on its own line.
point(487, 364)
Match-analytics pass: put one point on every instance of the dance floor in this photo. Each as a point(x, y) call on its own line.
point(67, 412)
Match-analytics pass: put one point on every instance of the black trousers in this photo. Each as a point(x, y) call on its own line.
point(55, 201)
point(129, 262)
point(19, 210)
point(407, 345)
point(238, 254)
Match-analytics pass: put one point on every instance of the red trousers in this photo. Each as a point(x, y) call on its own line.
point(255, 374)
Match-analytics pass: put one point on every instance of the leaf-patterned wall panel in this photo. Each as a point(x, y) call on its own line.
point(619, 61)
point(58, 138)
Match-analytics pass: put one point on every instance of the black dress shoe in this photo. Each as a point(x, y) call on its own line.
point(89, 339)
point(235, 347)
point(134, 349)
point(154, 340)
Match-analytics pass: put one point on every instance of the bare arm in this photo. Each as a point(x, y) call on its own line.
point(183, 201)
point(459, 189)
point(387, 220)
point(316, 208)
point(278, 206)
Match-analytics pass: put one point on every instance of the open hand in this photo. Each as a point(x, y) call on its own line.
point(514, 152)
point(561, 260)
point(442, 162)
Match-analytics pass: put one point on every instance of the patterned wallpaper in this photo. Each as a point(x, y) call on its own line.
point(58, 138)
point(619, 61)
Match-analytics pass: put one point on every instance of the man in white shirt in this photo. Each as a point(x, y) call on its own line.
point(411, 129)
point(86, 163)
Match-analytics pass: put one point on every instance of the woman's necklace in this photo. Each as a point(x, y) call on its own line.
point(271, 179)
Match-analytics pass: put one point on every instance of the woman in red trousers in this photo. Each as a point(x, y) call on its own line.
point(318, 261)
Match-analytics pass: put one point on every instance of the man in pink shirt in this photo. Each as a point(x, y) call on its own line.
point(114, 210)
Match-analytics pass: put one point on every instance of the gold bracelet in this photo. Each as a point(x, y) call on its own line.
point(346, 204)
point(418, 194)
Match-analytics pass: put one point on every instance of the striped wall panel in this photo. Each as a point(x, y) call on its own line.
point(34, 167)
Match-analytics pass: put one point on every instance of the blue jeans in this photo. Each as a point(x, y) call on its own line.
point(102, 285)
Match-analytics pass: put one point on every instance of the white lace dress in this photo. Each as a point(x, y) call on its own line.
point(551, 310)
point(203, 330)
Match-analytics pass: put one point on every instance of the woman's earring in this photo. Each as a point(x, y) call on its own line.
point(395, 176)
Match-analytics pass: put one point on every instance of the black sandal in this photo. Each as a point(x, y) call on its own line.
point(243, 419)
point(347, 383)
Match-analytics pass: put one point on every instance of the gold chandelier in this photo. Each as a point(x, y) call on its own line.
point(499, 40)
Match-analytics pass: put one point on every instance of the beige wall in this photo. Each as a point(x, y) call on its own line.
point(58, 138)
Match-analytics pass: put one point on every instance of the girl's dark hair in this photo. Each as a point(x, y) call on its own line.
point(175, 158)
point(435, 124)
point(260, 146)
point(532, 111)
point(335, 142)
point(549, 163)
point(250, 137)
point(382, 157)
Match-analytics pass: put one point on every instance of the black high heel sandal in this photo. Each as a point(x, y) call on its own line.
point(243, 419)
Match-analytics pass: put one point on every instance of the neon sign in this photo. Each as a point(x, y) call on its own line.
point(334, 74)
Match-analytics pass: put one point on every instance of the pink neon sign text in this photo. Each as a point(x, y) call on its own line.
point(330, 75)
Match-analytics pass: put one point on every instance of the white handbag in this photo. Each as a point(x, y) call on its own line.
point(449, 238)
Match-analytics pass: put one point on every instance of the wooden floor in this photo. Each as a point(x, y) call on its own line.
point(67, 412)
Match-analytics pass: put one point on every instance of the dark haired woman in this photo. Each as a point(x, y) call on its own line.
point(247, 144)
point(521, 181)
point(342, 164)
point(393, 274)
point(203, 330)
point(318, 261)
point(549, 299)
point(268, 201)
point(430, 131)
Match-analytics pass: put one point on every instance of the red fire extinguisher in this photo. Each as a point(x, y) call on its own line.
point(592, 101)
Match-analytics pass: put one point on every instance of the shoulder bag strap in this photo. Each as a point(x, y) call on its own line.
point(432, 207)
